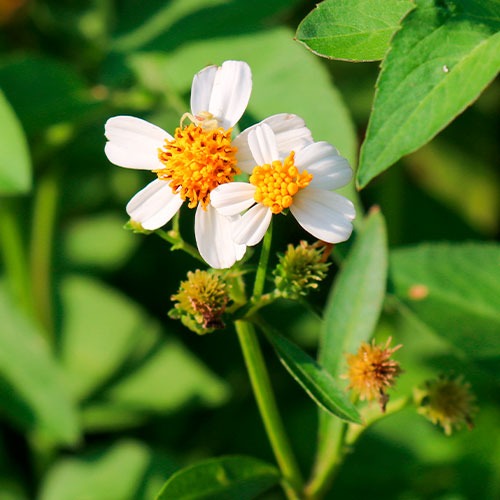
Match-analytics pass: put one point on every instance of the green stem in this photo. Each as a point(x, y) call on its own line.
point(266, 402)
point(42, 237)
point(15, 260)
point(260, 277)
point(178, 243)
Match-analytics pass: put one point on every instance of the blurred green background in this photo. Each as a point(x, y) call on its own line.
point(99, 390)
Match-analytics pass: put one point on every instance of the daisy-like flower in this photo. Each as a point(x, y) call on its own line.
point(295, 174)
point(190, 164)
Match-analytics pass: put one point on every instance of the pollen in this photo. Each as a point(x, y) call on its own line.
point(197, 161)
point(278, 183)
point(372, 371)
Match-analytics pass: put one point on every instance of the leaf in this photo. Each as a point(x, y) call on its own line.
point(455, 290)
point(15, 162)
point(32, 389)
point(355, 302)
point(224, 478)
point(317, 382)
point(111, 348)
point(445, 54)
point(124, 470)
point(352, 30)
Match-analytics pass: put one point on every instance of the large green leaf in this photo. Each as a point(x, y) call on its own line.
point(455, 290)
point(315, 380)
point(15, 163)
point(116, 355)
point(224, 478)
point(32, 390)
point(352, 30)
point(123, 471)
point(442, 58)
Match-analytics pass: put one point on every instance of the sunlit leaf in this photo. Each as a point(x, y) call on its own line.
point(321, 387)
point(15, 163)
point(440, 60)
point(31, 383)
point(353, 30)
point(224, 478)
point(455, 290)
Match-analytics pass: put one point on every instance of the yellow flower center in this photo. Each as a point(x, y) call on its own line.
point(197, 161)
point(278, 183)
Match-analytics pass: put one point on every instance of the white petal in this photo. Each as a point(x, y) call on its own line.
point(324, 214)
point(214, 240)
point(201, 89)
point(134, 143)
point(233, 198)
point(154, 205)
point(263, 145)
point(222, 91)
point(322, 160)
point(290, 132)
point(252, 226)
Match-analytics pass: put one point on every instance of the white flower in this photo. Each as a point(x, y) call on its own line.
point(191, 164)
point(300, 178)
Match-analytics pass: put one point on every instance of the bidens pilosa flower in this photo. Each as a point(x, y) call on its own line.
point(299, 178)
point(192, 162)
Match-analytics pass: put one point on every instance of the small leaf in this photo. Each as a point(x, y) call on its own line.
point(352, 30)
point(441, 59)
point(317, 382)
point(224, 478)
point(31, 382)
point(15, 162)
point(455, 290)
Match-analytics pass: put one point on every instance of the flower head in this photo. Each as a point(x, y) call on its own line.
point(295, 174)
point(447, 402)
point(190, 164)
point(299, 270)
point(200, 302)
point(371, 371)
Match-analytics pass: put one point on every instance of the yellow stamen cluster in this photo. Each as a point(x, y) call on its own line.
point(448, 402)
point(278, 183)
point(372, 371)
point(197, 161)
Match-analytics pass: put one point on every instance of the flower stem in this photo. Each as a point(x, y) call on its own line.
point(259, 378)
point(260, 277)
point(178, 243)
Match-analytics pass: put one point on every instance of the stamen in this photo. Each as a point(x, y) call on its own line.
point(278, 183)
point(197, 161)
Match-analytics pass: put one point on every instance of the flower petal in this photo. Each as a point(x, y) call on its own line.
point(222, 91)
point(134, 143)
point(232, 198)
point(322, 160)
point(263, 145)
point(290, 132)
point(252, 226)
point(154, 205)
point(324, 214)
point(214, 240)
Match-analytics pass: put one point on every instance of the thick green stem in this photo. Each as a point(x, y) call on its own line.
point(42, 237)
point(260, 277)
point(266, 403)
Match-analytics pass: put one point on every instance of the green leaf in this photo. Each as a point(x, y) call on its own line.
point(110, 347)
point(355, 302)
point(352, 30)
point(314, 379)
point(455, 290)
point(224, 478)
point(442, 58)
point(122, 471)
point(32, 388)
point(15, 162)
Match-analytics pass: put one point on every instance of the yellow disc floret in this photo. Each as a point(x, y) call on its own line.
point(197, 161)
point(278, 183)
